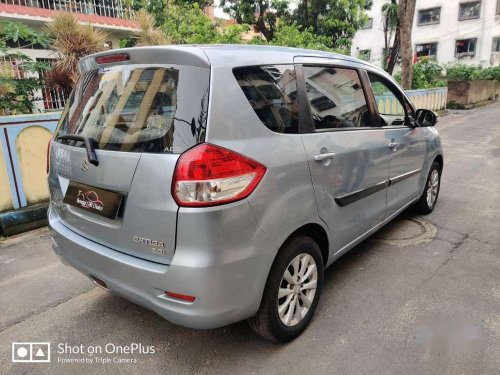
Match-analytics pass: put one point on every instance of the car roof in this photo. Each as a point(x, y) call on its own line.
point(243, 54)
point(221, 55)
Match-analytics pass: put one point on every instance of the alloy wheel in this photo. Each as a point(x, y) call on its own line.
point(432, 188)
point(297, 289)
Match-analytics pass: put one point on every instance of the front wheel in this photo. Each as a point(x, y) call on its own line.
point(428, 200)
point(292, 291)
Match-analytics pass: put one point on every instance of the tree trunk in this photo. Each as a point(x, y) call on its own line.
point(406, 15)
point(267, 31)
point(396, 48)
point(306, 12)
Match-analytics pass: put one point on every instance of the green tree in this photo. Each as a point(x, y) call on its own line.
point(293, 36)
point(158, 7)
point(262, 13)
point(17, 94)
point(187, 24)
point(231, 34)
point(336, 19)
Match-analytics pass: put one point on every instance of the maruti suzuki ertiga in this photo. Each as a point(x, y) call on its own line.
point(213, 184)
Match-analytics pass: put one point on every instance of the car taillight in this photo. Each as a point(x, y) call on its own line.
point(49, 146)
point(208, 175)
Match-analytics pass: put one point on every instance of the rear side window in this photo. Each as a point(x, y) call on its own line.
point(272, 93)
point(136, 108)
point(336, 97)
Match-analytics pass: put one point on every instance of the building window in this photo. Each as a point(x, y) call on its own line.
point(465, 47)
point(469, 10)
point(368, 24)
point(496, 44)
point(365, 54)
point(429, 16)
point(498, 8)
point(426, 50)
point(52, 98)
point(11, 67)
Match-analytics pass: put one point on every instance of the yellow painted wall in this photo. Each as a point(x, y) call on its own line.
point(31, 147)
point(5, 195)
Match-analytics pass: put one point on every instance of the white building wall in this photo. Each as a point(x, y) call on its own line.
point(446, 33)
point(371, 39)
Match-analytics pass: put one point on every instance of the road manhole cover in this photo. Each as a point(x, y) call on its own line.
point(406, 231)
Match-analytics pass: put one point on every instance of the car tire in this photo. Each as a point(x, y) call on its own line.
point(297, 268)
point(428, 200)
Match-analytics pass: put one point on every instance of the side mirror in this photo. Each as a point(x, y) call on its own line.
point(425, 117)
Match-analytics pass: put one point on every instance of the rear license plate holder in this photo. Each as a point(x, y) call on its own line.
point(92, 199)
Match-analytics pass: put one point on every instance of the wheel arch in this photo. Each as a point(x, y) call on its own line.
point(318, 233)
point(439, 159)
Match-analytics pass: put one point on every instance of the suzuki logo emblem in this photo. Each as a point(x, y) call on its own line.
point(85, 165)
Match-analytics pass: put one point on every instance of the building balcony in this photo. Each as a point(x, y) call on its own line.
point(104, 8)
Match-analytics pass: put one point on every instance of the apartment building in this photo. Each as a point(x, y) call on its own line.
point(467, 31)
point(113, 16)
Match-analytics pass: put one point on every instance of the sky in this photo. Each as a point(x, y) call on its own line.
point(218, 11)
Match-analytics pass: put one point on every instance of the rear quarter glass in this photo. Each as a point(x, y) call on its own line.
point(139, 108)
point(271, 90)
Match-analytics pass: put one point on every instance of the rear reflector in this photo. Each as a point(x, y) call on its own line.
point(180, 296)
point(112, 58)
point(209, 175)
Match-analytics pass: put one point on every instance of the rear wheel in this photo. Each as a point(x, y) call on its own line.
point(428, 200)
point(292, 291)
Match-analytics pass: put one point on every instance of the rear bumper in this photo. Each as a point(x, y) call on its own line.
point(227, 287)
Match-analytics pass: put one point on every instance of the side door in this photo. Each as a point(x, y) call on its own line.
point(406, 143)
point(347, 153)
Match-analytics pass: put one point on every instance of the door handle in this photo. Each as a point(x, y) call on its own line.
point(325, 156)
point(393, 146)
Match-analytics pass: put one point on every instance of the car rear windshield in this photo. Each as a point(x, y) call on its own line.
point(138, 108)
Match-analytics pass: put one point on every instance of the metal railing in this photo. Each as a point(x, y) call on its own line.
point(53, 98)
point(106, 8)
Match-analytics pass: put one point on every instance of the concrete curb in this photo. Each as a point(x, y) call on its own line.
point(24, 219)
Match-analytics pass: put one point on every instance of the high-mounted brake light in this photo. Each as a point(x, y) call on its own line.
point(112, 58)
point(49, 147)
point(209, 175)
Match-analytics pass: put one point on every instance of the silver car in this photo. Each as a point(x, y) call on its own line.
point(212, 184)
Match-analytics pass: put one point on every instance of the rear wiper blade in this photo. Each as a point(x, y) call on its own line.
point(89, 146)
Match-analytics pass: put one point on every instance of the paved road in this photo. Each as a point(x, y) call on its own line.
point(397, 304)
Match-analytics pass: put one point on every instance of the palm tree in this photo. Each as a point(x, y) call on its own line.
point(148, 34)
point(72, 41)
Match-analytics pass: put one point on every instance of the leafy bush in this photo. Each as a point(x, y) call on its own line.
point(462, 72)
point(427, 73)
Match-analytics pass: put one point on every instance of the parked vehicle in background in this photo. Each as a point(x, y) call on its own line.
point(213, 184)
